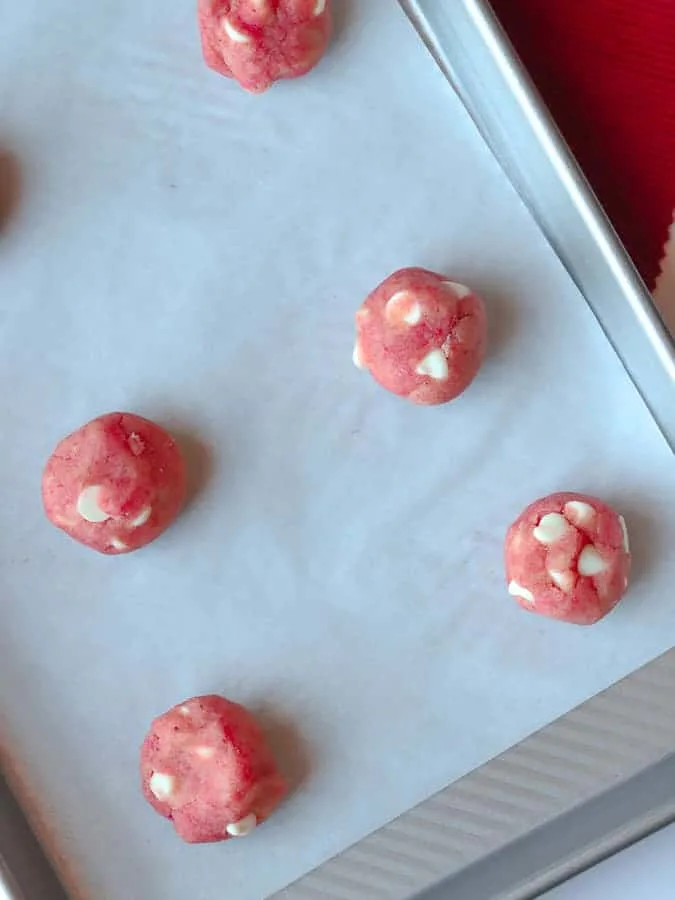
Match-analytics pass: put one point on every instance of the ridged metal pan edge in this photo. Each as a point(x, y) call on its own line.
point(584, 787)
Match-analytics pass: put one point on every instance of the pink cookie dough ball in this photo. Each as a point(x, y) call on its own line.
point(115, 484)
point(567, 557)
point(421, 336)
point(206, 766)
point(258, 42)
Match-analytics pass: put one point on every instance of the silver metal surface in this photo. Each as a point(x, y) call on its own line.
point(9, 889)
point(25, 873)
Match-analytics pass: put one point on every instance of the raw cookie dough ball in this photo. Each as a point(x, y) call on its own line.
point(115, 484)
point(258, 42)
point(421, 336)
point(206, 766)
point(567, 557)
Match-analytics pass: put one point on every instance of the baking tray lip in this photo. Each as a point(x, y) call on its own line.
point(617, 737)
point(618, 743)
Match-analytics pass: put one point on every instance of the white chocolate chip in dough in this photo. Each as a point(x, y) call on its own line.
point(402, 307)
point(243, 827)
point(579, 513)
point(204, 752)
point(234, 34)
point(184, 710)
point(624, 534)
point(87, 505)
point(434, 365)
point(590, 562)
point(461, 290)
point(393, 304)
point(162, 785)
point(117, 544)
point(551, 528)
point(142, 517)
point(414, 315)
point(517, 590)
point(357, 356)
point(564, 580)
point(319, 7)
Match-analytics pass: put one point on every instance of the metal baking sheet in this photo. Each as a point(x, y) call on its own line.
point(25, 873)
point(625, 875)
point(135, 234)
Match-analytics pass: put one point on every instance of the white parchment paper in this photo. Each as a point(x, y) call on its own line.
point(196, 255)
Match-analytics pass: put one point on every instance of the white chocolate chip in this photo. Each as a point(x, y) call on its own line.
point(87, 505)
point(517, 590)
point(397, 303)
point(624, 532)
point(184, 710)
point(357, 356)
point(117, 544)
point(403, 307)
point(204, 752)
point(435, 365)
point(234, 35)
point(564, 580)
point(142, 518)
point(162, 785)
point(578, 512)
point(461, 290)
point(243, 827)
point(551, 528)
point(319, 7)
point(590, 562)
point(414, 315)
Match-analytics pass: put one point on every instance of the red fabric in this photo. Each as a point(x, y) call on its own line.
point(606, 69)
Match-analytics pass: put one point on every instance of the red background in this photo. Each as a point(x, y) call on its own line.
point(606, 69)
